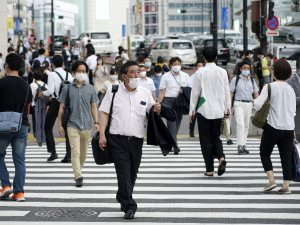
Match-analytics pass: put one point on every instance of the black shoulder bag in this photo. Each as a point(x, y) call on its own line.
point(104, 157)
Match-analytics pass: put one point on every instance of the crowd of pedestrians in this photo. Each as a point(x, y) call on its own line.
point(80, 82)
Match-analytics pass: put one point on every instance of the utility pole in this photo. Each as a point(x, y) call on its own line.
point(245, 27)
point(52, 25)
point(32, 17)
point(215, 23)
point(202, 19)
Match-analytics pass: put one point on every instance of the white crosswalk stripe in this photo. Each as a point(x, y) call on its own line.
point(168, 190)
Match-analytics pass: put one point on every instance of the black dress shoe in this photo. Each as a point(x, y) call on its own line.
point(229, 142)
point(79, 182)
point(222, 168)
point(192, 135)
point(52, 157)
point(129, 215)
point(176, 150)
point(66, 160)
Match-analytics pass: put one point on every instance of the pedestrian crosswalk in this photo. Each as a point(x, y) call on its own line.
point(169, 190)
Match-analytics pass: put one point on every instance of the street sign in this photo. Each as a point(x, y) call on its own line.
point(224, 17)
point(273, 23)
point(272, 33)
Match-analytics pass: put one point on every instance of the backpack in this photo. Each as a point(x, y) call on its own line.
point(63, 83)
point(38, 90)
point(236, 82)
point(296, 162)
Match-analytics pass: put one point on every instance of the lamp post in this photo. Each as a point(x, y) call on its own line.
point(245, 28)
point(215, 23)
point(52, 25)
point(18, 21)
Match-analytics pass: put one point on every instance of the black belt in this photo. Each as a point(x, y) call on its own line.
point(243, 101)
point(129, 138)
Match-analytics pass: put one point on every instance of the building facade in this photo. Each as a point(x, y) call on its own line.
point(165, 17)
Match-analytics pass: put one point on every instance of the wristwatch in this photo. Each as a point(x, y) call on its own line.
point(96, 123)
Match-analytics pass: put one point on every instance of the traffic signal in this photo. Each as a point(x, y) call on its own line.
point(271, 9)
point(181, 11)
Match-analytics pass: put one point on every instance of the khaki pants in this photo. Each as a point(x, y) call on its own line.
point(243, 113)
point(79, 141)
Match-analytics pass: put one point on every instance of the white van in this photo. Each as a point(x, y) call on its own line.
point(135, 41)
point(184, 49)
point(101, 41)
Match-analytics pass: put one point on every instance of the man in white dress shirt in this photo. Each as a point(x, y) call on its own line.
point(126, 134)
point(210, 98)
point(54, 89)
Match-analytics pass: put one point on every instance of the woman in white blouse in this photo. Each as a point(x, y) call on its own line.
point(280, 126)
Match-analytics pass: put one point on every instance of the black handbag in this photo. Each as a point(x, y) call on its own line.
point(67, 111)
point(102, 157)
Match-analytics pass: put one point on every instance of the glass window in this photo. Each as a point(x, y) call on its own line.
point(100, 36)
point(182, 45)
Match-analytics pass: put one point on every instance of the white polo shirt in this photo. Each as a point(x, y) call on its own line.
point(172, 83)
point(129, 110)
point(148, 84)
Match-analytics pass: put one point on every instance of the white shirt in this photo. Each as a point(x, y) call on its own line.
point(148, 84)
point(91, 61)
point(129, 110)
point(54, 82)
point(282, 105)
point(211, 83)
point(172, 83)
point(42, 58)
point(34, 88)
point(1, 65)
point(85, 41)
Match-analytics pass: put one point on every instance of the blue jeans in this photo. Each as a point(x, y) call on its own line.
point(18, 142)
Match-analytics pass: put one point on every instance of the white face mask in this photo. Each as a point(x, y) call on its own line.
point(113, 77)
point(245, 73)
point(134, 82)
point(148, 64)
point(158, 75)
point(176, 69)
point(80, 77)
point(143, 74)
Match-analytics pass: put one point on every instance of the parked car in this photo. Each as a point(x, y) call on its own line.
point(236, 45)
point(184, 49)
point(207, 41)
point(101, 41)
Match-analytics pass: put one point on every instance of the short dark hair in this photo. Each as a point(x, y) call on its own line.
point(160, 59)
point(210, 54)
point(282, 69)
point(15, 62)
point(58, 61)
point(174, 59)
point(78, 63)
point(65, 43)
point(124, 68)
point(244, 62)
point(92, 52)
point(112, 71)
point(0, 54)
point(41, 51)
point(157, 69)
point(38, 74)
point(10, 49)
point(200, 60)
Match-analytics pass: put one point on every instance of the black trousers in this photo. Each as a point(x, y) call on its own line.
point(91, 77)
point(284, 140)
point(192, 125)
point(210, 142)
point(51, 116)
point(127, 155)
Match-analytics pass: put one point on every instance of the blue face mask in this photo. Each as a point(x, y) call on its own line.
point(245, 73)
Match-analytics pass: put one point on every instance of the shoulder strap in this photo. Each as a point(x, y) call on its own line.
point(269, 92)
point(236, 82)
point(62, 80)
point(111, 109)
point(67, 102)
point(252, 81)
point(26, 99)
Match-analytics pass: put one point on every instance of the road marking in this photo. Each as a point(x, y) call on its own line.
point(13, 213)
